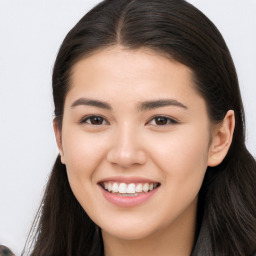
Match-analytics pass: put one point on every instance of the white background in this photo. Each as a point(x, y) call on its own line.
point(30, 35)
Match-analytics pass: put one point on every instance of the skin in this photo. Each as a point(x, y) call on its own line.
point(129, 142)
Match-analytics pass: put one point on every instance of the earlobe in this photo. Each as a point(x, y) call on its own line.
point(58, 139)
point(221, 139)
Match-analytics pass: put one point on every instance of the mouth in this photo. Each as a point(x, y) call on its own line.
point(132, 189)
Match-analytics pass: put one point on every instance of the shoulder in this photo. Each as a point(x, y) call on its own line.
point(203, 245)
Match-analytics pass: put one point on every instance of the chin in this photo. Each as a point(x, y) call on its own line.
point(129, 233)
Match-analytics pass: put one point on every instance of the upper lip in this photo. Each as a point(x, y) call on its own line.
point(131, 179)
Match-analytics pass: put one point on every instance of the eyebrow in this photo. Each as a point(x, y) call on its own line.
point(91, 102)
point(148, 105)
point(142, 106)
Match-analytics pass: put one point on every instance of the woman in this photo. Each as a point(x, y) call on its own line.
point(150, 127)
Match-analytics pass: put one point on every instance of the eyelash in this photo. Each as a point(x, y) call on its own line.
point(170, 121)
point(85, 120)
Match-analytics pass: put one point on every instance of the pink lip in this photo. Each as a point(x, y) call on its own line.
point(127, 201)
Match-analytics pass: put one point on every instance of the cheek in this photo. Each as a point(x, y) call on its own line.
point(182, 154)
point(182, 158)
point(82, 154)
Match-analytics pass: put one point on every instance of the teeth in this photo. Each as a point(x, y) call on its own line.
point(115, 187)
point(145, 187)
point(131, 188)
point(131, 195)
point(122, 188)
point(138, 188)
point(109, 187)
point(128, 189)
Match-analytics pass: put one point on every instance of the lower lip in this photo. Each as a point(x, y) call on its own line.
point(128, 201)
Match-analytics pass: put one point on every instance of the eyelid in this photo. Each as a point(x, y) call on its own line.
point(173, 121)
point(85, 118)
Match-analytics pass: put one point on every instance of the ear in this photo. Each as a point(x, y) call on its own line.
point(58, 138)
point(222, 136)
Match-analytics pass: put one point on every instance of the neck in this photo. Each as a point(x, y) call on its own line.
point(176, 239)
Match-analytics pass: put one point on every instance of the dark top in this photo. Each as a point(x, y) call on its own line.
point(203, 245)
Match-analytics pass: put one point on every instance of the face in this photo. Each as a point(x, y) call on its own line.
point(135, 141)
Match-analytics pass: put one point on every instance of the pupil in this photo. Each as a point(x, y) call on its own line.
point(161, 120)
point(96, 120)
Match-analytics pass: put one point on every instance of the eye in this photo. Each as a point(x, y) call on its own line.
point(162, 120)
point(94, 120)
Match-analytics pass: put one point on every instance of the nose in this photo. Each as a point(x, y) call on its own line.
point(127, 149)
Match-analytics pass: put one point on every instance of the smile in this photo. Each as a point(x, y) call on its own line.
point(130, 189)
point(128, 194)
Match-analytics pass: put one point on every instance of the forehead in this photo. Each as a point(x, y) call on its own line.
point(122, 64)
point(118, 54)
point(125, 74)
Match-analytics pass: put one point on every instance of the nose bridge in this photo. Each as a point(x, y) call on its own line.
point(127, 148)
point(127, 142)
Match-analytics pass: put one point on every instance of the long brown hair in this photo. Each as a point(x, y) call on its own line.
point(175, 28)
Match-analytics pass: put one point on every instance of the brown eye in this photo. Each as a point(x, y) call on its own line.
point(162, 120)
point(94, 120)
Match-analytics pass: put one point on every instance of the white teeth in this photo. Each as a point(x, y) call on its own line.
point(109, 187)
point(115, 187)
point(122, 188)
point(138, 188)
point(145, 187)
point(131, 188)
